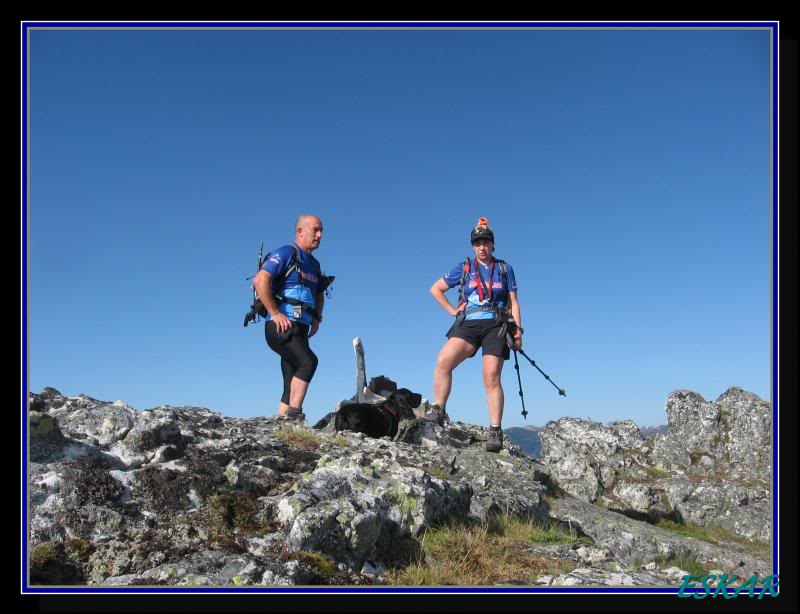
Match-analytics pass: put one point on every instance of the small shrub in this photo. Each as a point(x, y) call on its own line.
point(321, 564)
point(228, 516)
point(93, 482)
point(50, 565)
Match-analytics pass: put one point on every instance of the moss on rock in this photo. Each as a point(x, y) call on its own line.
point(50, 564)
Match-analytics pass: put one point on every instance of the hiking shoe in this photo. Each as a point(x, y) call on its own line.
point(437, 414)
point(294, 414)
point(495, 441)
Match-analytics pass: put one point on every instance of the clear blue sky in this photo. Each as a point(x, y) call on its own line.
point(626, 175)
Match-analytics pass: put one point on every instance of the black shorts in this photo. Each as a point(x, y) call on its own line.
point(482, 334)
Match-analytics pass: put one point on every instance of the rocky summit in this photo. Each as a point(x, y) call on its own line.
point(711, 468)
point(184, 496)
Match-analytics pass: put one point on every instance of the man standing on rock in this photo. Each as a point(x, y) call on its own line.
point(291, 286)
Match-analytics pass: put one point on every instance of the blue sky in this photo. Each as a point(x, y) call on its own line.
point(626, 175)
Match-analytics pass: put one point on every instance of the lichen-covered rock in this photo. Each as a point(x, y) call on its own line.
point(591, 576)
point(182, 496)
point(711, 467)
point(96, 423)
point(746, 424)
point(584, 456)
point(631, 541)
point(733, 433)
point(744, 510)
point(353, 504)
point(694, 422)
point(636, 496)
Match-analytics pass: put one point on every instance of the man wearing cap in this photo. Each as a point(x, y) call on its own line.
point(488, 306)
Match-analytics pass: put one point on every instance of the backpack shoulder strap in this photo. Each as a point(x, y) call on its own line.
point(503, 266)
point(503, 272)
point(294, 260)
point(464, 273)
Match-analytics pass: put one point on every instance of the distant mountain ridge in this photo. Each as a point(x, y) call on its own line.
point(526, 438)
point(649, 431)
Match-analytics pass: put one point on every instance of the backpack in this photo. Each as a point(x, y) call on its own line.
point(257, 308)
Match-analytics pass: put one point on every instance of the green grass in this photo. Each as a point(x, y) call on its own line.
point(530, 530)
point(687, 563)
point(717, 535)
point(438, 472)
point(483, 554)
point(655, 472)
point(651, 474)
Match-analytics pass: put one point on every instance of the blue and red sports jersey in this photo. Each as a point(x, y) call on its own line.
point(499, 290)
point(292, 286)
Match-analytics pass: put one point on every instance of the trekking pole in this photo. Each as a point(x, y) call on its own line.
point(547, 377)
point(519, 379)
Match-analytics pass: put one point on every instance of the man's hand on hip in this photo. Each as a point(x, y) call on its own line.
point(282, 323)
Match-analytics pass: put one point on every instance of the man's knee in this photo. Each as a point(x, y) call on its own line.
point(307, 367)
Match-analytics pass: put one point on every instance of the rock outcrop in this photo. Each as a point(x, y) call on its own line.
point(711, 467)
point(184, 496)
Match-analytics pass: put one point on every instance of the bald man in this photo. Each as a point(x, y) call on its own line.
point(291, 287)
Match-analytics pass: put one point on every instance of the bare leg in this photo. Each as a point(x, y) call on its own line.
point(492, 367)
point(454, 352)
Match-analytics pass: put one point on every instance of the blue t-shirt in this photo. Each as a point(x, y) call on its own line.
point(292, 286)
point(500, 288)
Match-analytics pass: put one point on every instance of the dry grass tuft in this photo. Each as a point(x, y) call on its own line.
point(299, 437)
point(495, 552)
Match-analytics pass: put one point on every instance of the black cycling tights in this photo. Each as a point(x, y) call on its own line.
point(297, 359)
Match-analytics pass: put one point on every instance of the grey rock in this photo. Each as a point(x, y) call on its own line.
point(583, 455)
point(630, 540)
point(598, 577)
point(636, 496)
point(711, 467)
point(189, 497)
